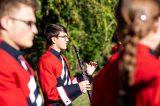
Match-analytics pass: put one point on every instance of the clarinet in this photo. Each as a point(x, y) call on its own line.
point(83, 71)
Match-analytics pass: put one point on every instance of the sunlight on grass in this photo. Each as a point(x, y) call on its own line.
point(82, 100)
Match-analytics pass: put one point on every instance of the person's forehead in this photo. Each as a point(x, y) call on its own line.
point(24, 12)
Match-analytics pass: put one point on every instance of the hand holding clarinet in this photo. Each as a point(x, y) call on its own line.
point(88, 70)
point(85, 85)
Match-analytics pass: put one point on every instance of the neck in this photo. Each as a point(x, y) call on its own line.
point(55, 48)
point(11, 43)
point(6, 38)
point(152, 40)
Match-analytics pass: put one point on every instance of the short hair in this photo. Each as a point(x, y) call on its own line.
point(53, 30)
point(7, 6)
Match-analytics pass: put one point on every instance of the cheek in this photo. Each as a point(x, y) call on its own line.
point(62, 45)
point(19, 31)
point(21, 35)
point(16, 34)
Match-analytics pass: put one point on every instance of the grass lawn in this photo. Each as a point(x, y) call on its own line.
point(82, 100)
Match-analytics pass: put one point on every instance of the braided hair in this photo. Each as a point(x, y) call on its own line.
point(139, 17)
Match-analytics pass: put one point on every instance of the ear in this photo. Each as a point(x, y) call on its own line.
point(4, 22)
point(54, 39)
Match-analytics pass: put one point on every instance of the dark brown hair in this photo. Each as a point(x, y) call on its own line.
point(53, 30)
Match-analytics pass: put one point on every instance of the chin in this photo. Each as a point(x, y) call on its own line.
point(64, 48)
point(28, 45)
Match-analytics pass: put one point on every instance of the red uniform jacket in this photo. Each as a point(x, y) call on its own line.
point(50, 70)
point(147, 78)
point(145, 90)
point(14, 80)
point(106, 84)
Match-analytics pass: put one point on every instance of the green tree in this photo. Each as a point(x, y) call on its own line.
point(90, 24)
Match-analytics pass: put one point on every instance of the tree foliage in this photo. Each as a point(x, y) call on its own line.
point(90, 24)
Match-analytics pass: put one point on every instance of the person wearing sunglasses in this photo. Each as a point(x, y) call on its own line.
point(58, 85)
point(17, 30)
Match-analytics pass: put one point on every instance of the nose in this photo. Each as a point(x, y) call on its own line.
point(67, 39)
point(34, 29)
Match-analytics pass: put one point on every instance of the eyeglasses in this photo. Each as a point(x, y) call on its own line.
point(30, 24)
point(64, 36)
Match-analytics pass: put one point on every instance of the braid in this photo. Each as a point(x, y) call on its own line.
point(138, 19)
point(139, 22)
